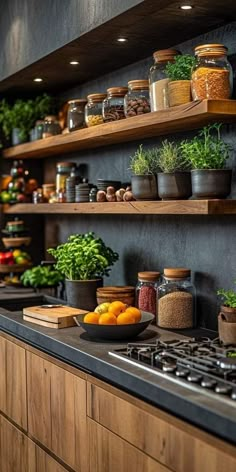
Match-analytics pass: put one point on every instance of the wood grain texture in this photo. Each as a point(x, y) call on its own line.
point(61, 317)
point(40, 461)
point(184, 117)
point(13, 448)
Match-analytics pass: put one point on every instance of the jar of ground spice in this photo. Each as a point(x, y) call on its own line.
point(212, 77)
point(113, 105)
point(146, 292)
point(158, 80)
point(176, 300)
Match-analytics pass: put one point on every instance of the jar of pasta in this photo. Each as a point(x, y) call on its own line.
point(93, 109)
point(212, 77)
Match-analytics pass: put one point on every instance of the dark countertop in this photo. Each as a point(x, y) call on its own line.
point(71, 345)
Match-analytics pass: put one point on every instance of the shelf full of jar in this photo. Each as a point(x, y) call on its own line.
point(185, 117)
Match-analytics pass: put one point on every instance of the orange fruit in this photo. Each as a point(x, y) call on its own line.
point(117, 307)
point(135, 312)
point(91, 317)
point(107, 319)
point(125, 318)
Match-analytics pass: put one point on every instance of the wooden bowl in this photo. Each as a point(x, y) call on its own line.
point(124, 294)
point(16, 242)
point(8, 268)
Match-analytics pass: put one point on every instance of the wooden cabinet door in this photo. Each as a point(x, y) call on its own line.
point(13, 401)
point(13, 448)
point(39, 461)
point(57, 411)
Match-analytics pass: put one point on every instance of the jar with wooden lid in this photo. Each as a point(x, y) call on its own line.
point(212, 76)
point(137, 100)
point(176, 300)
point(158, 80)
point(75, 114)
point(51, 126)
point(146, 292)
point(93, 109)
point(63, 171)
point(113, 104)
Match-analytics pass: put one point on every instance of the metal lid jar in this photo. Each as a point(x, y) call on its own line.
point(93, 109)
point(146, 291)
point(51, 126)
point(212, 77)
point(113, 104)
point(158, 80)
point(75, 114)
point(63, 171)
point(137, 101)
point(176, 300)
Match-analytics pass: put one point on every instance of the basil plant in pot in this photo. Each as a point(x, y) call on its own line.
point(174, 182)
point(208, 153)
point(83, 260)
point(227, 317)
point(144, 167)
point(179, 73)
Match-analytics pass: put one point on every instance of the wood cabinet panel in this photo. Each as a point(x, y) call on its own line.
point(57, 410)
point(40, 461)
point(13, 400)
point(13, 448)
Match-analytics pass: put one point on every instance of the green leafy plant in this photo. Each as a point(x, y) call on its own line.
point(207, 150)
point(171, 159)
point(229, 297)
point(41, 276)
point(83, 257)
point(144, 161)
point(181, 69)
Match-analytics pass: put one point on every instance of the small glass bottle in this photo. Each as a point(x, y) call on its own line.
point(93, 109)
point(176, 300)
point(158, 80)
point(75, 114)
point(212, 77)
point(63, 171)
point(137, 101)
point(51, 126)
point(113, 104)
point(146, 292)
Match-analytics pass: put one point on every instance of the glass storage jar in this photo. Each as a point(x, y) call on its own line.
point(75, 114)
point(137, 99)
point(51, 126)
point(93, 109)
point(146, 292)
point(158, 80)
point(212, 76)
point(113, 104)
point(63, 171)
point(176, 300)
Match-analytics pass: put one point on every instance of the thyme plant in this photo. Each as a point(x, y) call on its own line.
point(144, 161)
point(171, 159)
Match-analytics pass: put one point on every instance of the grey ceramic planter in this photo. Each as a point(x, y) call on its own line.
point(82, 293)
point(144, 187)
point(210, 184)
point(174, 186)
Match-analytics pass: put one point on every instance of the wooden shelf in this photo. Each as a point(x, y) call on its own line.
point(182, 118)
point(176, 207)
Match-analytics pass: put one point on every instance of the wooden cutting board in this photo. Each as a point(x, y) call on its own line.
point(52, 316)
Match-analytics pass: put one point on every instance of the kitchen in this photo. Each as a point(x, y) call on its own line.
point(57, 405)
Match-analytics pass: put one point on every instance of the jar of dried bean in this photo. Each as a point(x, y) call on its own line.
point(158, 80)
point(212, 77)
point(176, 300)
point(137, 99)
point(113, 105)
point(93, 109)
point(146, 292)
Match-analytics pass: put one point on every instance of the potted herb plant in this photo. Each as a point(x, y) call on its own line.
point(144, 167)
point(83, 260)
point(42, 278)
point(208, 153)
point(179, 73)
point(174, 182)
point(227, 317)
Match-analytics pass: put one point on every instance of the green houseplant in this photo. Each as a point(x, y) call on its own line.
point(144, 167)
point(42, 278)
point(227, 317)
point(179, 73)
point(83, 260)
point(208, 154)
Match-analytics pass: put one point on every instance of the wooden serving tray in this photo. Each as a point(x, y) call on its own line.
point(52, 316)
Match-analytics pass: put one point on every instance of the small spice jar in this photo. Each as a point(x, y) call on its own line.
point(63, 171)
point(48, 189)
point(113, 104)
point(146, 292)
point(37, 196)
point(158, 79)
point(93, 109)
point(137, 101)
point(212, 77)
point(176, 300)
point(51, 126)
point(75, 114)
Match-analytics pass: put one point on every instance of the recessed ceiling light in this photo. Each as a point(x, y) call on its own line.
point(38, 79)
point(186, 7)
point(74, 63)
point(121, 40)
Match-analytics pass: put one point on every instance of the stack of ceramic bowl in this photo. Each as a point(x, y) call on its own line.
point(82, 193)
point(70, 189)
point(125, 294)
point(103, 184)
point(16, 234)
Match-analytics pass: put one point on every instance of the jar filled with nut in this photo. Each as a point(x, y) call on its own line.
point(158, 79)
point(137, 101)
point(113, 105)
point(212, 77)
point(176, 300)
point(93, 109)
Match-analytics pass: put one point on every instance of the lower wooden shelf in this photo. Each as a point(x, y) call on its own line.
point(175, 207)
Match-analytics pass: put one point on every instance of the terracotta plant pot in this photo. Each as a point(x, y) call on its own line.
point(174, 186)
point(179, 92)
point(227, 331)
point(213, 183)
point(82, 293)
point(144, 187)
point(229, 313)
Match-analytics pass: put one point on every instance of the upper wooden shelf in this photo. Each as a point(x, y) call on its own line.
point(182, 118)
point(175, 207)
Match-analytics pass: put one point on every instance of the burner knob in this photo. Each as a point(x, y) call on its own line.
point(223, 389)
point(194, 378)
point(208, 383)
point(227, 363)
point(182, 373)
point(168, 367)
point(233, 395)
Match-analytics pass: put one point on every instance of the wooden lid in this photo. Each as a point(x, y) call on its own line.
point(165, 55)
point(211, 50)
point(96, 97)
point(50, 118)
point(15, 222)
point(117, 91)
point(66, 164)
point(116, 289)
point(77, 100)
point(138, 84)
point(148, 276)
point(177, 273)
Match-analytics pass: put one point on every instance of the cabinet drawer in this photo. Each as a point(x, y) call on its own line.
point(13, 448)
point(171, 442)
point(39, 461)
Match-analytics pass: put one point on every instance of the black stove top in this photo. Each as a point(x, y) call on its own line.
point(198, 363)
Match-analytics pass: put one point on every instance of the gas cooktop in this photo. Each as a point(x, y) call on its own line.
point(201, 364)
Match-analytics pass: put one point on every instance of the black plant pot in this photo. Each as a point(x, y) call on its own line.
point(174, 186)
point(82, 293)
point(144, 187)
point(210, 184)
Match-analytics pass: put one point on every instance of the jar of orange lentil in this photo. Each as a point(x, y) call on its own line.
point(212, 77)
